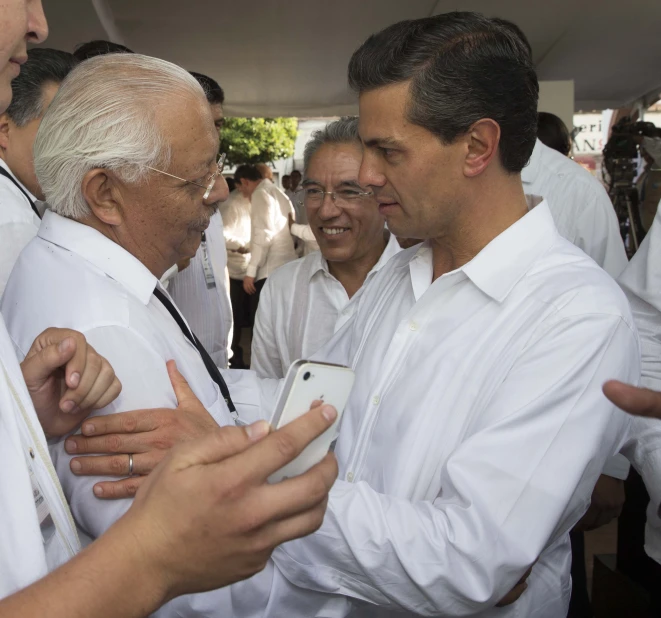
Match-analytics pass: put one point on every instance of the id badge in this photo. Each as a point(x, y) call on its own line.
point(208, 271)
point(46, 523)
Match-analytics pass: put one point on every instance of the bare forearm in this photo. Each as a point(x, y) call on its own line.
point(109, 579)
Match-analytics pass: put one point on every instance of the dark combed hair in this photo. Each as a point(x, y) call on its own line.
point(463, 67)
point(249, 172)
point(552, 132)
point(85, 51)
point(44, 66)
point(211, 88)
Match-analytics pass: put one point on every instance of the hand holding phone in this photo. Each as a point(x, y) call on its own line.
point(305, 383)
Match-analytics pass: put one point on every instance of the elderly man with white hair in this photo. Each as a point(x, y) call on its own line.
point(132, 182)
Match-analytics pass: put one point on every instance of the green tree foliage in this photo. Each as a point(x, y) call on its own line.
point(258, 140)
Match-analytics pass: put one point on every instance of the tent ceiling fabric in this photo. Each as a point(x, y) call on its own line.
point(289, 57)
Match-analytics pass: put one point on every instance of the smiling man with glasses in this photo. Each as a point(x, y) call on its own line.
point(304, 302)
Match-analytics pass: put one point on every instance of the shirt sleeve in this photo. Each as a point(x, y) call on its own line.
point(518, 483)
point(14, 237)
point(599, 230)
point(262, 231)
point(304, 232)
point(264, 358)
point(145, 384)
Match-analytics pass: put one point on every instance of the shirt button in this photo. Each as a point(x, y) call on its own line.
point(375, 400)
point(413, 326)
point(350, 477)
point(31, 453)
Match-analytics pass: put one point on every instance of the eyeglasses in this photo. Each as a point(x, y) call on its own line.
point(314, 195)
point(211, 181)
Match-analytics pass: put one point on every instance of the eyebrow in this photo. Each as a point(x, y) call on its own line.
point(384, 142)
point(343, 183)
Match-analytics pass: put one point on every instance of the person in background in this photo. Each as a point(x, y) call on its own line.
point(161, 548)
point(236, 230)
point(306, 301)
point(21, 198)
point(99, 47)
point(271, 244)
point(286, 185)
point(201, 290)
point(641, 282)
point(552, 132)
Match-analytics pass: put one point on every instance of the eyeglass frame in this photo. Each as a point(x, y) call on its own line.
point(333, 194)
point(212, 179)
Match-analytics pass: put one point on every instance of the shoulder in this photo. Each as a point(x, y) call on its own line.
point(53, 286)
point(284, 278)
point(574, 285)
point(567, 173)
point(14, 208)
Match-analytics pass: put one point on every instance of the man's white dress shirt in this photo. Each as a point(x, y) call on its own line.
point(29, 550)
point(300, 308)
point(236, 230)
point(641, 281)
point(200, 292)
point(271, 244)
point(18, 223)
point(475, 431)
point(584, 214)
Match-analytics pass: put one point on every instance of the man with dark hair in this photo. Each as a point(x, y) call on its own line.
point(476, 428)
point(99, 47)
point(32, 91)
point(215, 96)
point(552, 132)
point(271, 244)
point(201, 288)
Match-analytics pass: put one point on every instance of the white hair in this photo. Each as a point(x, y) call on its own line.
point(104, 117)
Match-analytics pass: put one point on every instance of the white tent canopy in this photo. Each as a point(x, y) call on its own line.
point(289, 57)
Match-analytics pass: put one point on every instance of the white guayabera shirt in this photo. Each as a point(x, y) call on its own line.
point(200, 292)
point(271, 244)
point(18, 223)
point(37, 532)
point(72, 276)
point(300, 308)
point(641, 281)
point(475, 431)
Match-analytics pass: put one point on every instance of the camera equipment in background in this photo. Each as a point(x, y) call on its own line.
point(620, 169)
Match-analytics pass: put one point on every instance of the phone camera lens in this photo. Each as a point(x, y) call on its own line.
point(306, 375)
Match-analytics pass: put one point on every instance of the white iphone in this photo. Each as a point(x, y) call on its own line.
point(306, 382)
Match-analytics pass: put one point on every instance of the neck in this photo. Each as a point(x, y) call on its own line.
point(149, 255)
point(352, 273)
point(495, 208)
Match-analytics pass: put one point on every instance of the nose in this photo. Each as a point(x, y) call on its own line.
point(220, 191)
point(328, 209)
point(37, 24)
point(370, 174)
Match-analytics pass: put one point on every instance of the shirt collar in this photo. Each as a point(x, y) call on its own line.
point(529, 172)
point(319, 262)
point(506, 259)
point(100, 251)
point(6, 168)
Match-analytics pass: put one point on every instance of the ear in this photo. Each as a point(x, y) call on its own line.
point(483, 139)
point(102, 193)
point(4, 131)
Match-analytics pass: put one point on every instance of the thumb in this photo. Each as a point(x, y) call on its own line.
point(41, 365)
point(181, 388)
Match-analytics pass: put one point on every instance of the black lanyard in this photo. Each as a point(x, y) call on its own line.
point(6, 174)
point(214, 372)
